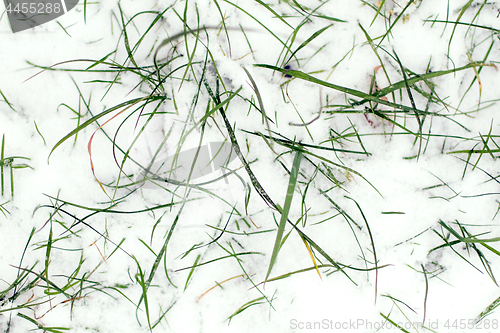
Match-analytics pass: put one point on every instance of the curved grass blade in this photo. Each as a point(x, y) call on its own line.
point(465, 23)
point(375, 261)
point(129, 104)
point(462, 12)
point(310, 39)
point(218, 284)
point(245, 306)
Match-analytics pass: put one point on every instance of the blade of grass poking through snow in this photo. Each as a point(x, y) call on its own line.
point(259, 22)
point(218, 284)
point(289, 144)
point(85, 11)
point(278, 16)
point(476, 72)
point(481, 256)
point(347, 169)
point(310, 39)
point(485, 145)
point(366, 97)
point(195, 265)
point(163, 254)
point(410, 96)
point(426, 291)
point(237, 149)
point(95, 118)
point(38, 131)
point(139, 277)
point(374, 48)
point(378, 12)
point(21, 261)
point(4, 210)
point(488, 310)
point(130, 54)
point(47, 257)
point(375, 261)
point(462, 12)
point(89, 146)
point(397, 325)
point(6, 101)
point(42, 327)
point(184, 33)
point(261, 104)
point(286, 209)
point(471, 25)
point(322, 16)
point(312, 257)
point(223, 23)
point(472, 240)
point(394, 23)
point(245, 306)
point(191, 55)
point(376, 97)
point(450, 244)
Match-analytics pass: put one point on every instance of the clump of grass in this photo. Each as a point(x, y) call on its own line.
point(7, 163)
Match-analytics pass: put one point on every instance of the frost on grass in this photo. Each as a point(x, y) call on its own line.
point(258, 165)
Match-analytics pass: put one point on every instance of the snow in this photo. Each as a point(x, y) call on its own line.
point(401, 218)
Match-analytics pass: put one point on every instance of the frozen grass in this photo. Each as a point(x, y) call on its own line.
point(362, 185)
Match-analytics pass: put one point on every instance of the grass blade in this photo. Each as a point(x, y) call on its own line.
point(375, 261)
point(286, 208)
point(310, 39)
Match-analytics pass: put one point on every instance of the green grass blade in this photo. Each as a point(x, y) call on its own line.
point(245, 306)
point(286, 208)
point(488, 310)
point(393, 323)
point(375, 260)
point(278, 16)
point(376, 97)
point(191, 272)
point(465, 23)
point(410, 96)
point(395, 21)
point(139, 277)
point(6, 101)
point(307, 41)
point(462, 12)
point(378, 12)
point(128, 104)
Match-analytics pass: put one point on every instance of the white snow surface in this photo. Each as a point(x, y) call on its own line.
point(456, 292)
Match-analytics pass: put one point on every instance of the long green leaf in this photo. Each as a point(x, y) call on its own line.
point(376, 97)
point(310, 39)
point(91, 120)
point(286, 208)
